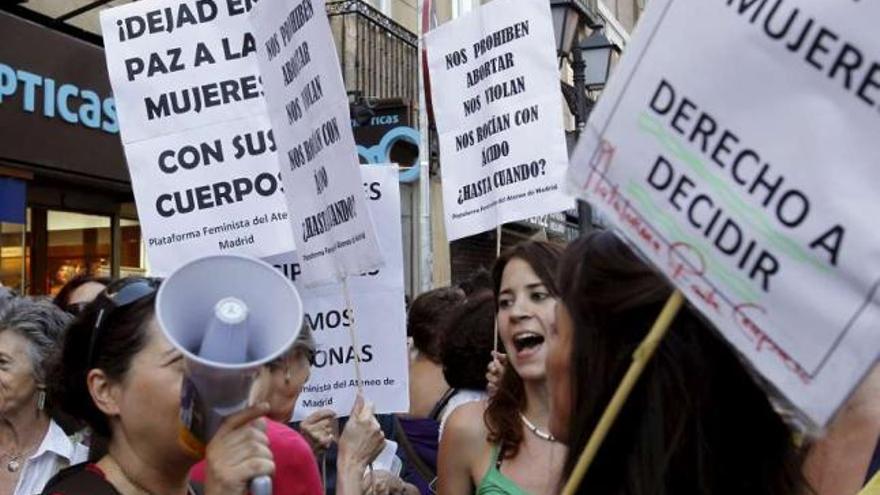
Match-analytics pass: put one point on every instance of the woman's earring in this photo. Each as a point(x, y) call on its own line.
point(287, 375)
point(41, 400)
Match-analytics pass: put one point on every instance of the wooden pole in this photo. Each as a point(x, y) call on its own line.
point(352, 333)
point(873, 486)
point(641, 357)
point(497, 255)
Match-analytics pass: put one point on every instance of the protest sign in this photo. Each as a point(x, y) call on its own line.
point(378, 309)
point(180, 64)
point(746, 171)
point(199, 144)
point(308, 107)
point(494, 84)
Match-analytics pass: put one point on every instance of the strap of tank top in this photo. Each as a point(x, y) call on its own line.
point(441, 404)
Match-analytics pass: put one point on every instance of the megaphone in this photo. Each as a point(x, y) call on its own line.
point(228, 315)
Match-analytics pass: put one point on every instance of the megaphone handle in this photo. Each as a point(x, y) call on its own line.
point(261, 486)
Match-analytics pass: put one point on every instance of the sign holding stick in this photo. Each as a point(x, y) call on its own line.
point(641, 357)
point(199, 145)
point(308, 107)
point(375, 310)
point(494, 85)
point(747, 173)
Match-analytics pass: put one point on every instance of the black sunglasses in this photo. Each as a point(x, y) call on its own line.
point(76, 308)
point(119, 294)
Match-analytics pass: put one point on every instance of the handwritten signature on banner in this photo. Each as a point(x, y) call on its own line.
point(685, 264)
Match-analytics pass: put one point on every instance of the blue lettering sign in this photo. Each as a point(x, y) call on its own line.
point(67, 101)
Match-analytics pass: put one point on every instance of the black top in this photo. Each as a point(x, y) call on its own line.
point(86, 479)
point(81, 479)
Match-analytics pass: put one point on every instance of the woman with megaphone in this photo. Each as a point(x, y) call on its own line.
point(121, 376)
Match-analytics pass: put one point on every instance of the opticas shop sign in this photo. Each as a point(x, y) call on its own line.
point(57, 99)
point(57, 112)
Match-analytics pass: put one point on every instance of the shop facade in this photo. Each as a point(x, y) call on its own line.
point(60, 150)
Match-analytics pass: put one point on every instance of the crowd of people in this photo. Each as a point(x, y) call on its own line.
point(90, 398)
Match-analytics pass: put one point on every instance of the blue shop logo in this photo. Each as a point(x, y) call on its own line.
point(381, 153)
point(68, 102)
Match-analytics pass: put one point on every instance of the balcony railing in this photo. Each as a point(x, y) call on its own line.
point(379, 57)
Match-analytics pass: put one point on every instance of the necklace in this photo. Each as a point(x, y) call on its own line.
point(14, 463)
point(543, 435)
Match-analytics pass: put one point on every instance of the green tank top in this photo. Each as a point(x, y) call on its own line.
point(494, 482)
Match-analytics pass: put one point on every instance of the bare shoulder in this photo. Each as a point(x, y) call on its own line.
point(463, 453)
point(465, 425)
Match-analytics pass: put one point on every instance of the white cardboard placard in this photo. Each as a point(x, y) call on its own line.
point(380, 317)
point(309, 110)
point(495, 91)
point(744, 166)
point(197, 138)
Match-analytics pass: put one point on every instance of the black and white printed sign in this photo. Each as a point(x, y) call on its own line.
point(308, 107)
point(495, 88)
point(193, 121)
point(747, 172)
point(378, 313)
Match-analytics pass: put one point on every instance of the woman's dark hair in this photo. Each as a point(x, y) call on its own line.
point(696, 421)
point(426, 318)
point(123, 334)
point(62, 299)
point(467, 342)
point(479, 280)
point(502, 416)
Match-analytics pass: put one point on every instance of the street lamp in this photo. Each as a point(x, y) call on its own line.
point(590, 64)
point(597, 51)
point(569, 16)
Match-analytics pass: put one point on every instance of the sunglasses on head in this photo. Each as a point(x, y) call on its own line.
point(119, 294)
point(76, 309)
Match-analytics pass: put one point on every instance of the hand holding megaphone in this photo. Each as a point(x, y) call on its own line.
point(238, 452)
point(229, 315)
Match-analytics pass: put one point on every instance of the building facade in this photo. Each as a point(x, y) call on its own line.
point(66, 203)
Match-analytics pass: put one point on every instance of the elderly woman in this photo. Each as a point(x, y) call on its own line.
point(32, 446)
point(279, 384)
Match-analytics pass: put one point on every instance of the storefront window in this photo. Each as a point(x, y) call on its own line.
point(80, 243)
point(14, 256)
point(133, 259)
point(77, 243)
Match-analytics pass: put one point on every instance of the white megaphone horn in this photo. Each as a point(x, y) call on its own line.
point(228, 315)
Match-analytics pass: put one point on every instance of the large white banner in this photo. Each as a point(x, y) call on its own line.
point(197, 137)
point(377, 298)
point(736, 146)
point(309, 110)
point(495, 88)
